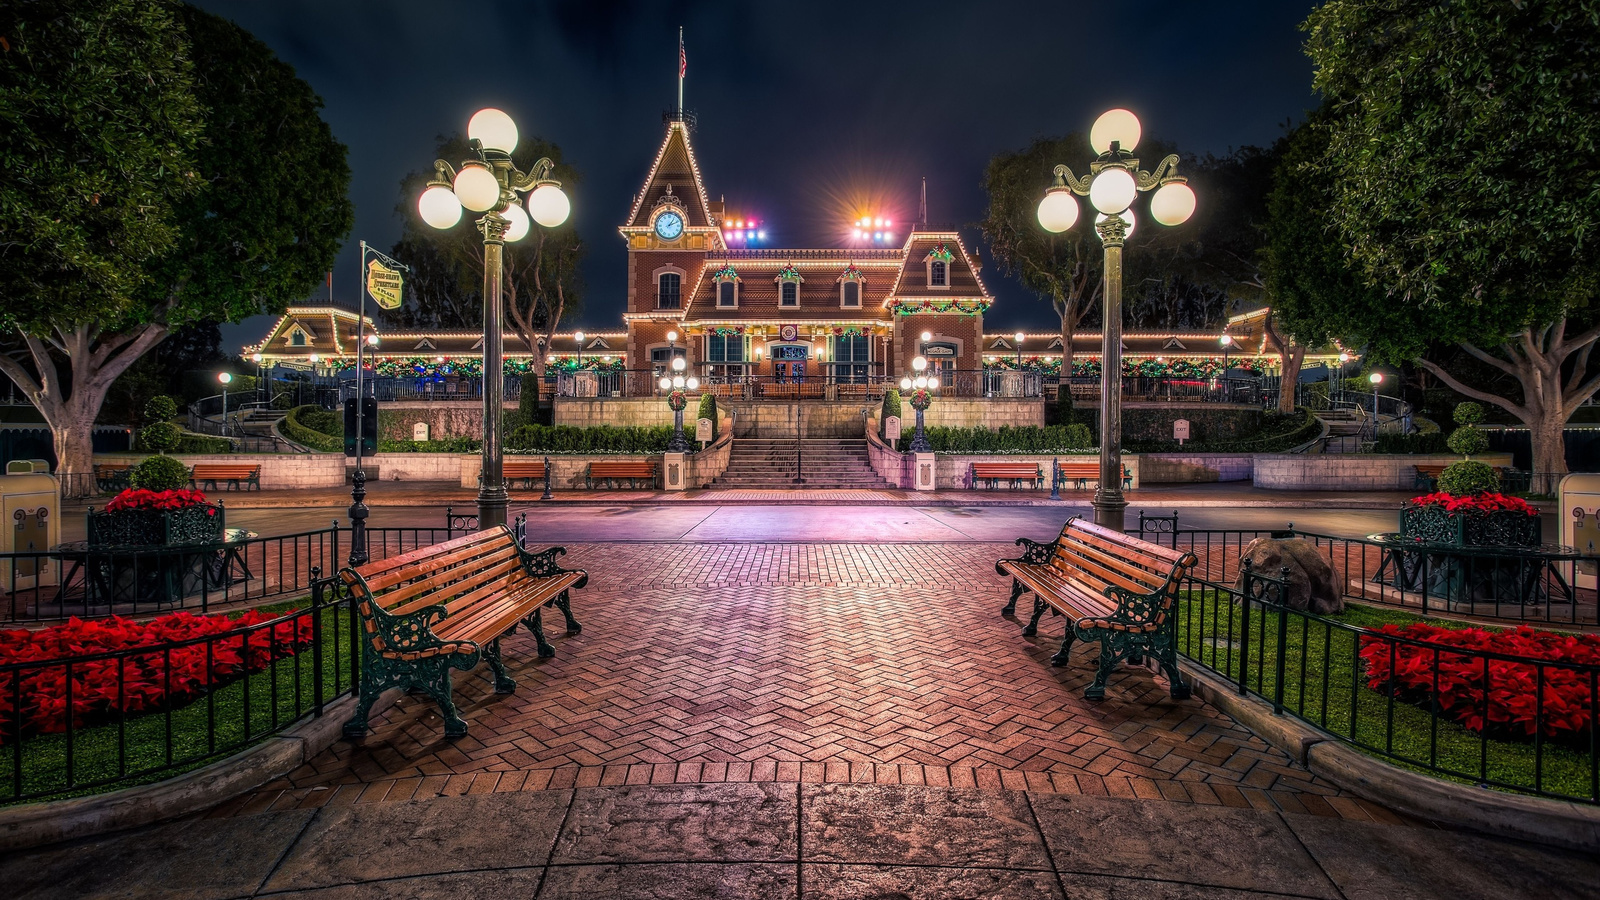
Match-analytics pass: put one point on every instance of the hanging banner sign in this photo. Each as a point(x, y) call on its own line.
point(384, 284)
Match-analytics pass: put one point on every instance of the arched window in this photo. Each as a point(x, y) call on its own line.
point(852, 294)
point(938, 262)
point(298, 338)
point(669, 291)
point(728, 294)
point(936, 274)
point(789, 294)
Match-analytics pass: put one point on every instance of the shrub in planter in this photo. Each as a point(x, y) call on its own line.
point(159, 473)
point(140, 517)
point(891, 407)
point(1483, 519)
point(160, 408)
point(160, 437)
point(1463, 479)
point(1468, 440)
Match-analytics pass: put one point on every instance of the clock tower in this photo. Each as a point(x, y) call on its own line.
point(670, 231)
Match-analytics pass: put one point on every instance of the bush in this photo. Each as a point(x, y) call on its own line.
point(1005, 439)
point(160, 437)
point(1464, 479)
point(1469, 413)
point(306, 424)
point(1468, 441)
point(160, 408)
point(1278, 432)
point(203, 443)
point(596, 439)
point(159, 473)
point(528, 403)
point(1432, 442)
point(891, 407)
point(708, 410)
point(443, 445)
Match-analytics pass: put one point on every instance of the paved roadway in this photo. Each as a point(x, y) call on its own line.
point(794, 523)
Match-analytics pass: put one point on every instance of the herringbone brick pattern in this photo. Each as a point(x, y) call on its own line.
point(820, 662)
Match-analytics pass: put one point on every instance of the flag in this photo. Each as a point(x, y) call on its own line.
point(683, 56)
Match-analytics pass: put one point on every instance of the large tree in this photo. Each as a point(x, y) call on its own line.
point(542, 284)
point(163, 167)
point(1063, 268)
point(1463, 154)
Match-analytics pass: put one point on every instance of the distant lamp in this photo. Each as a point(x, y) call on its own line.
point(927, 335)
point(1376, 378)
point(666, 383)
point(1226, 340)
point(905, 383)
point(255, 358)
point(1344, 358)
point(919, 363)
point(692, 383)
point(672, 337)
point(372, 340)
point(439, 207)
point(679, 364)
point(225, 377)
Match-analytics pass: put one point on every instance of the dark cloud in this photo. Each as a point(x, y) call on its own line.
point(803, 107)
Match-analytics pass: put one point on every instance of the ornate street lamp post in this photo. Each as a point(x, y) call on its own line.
point(579, 338)
point(921, 399)
point(1226, 341)
point(489, 183)
point(675, 385)
point(1344, 357)
point(225, 378)
point(1113, 183)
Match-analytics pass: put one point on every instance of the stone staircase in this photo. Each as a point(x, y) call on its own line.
point(1344, 432)
point(826, 464)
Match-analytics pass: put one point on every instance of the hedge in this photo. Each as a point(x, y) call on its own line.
point(1005, 439)
point(1278, 433)
point(188, 442)
point(317, 428)
point(442, 445)
point(595, 439)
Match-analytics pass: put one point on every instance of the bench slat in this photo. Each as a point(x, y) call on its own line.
point(452, 587)
point(1115, 541)
point(382, 575)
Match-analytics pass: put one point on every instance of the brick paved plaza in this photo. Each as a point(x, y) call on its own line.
point(751, 662)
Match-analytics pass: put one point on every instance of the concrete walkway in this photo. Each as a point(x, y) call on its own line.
point(774, 841)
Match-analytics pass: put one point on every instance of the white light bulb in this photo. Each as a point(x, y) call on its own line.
point(225, 377)
point(905, 384)
point(1113, 190)
point(919, 363)
point(1173, 203)
point(1126, 216)
point(1058, 211)
point(494, 129)
point(372, 340)
point(921, 382)
point(679, 364)
point(692, 384)
point(518, 229)
point(672, 336)
point(549, 205)
point(666, 383)
point(933, 382)
point(1117, 125)
point(439, 207)
point(477, 188)
point(927, 335)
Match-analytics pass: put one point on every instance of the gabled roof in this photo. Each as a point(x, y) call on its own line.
point(674, 165)
point(962, 272)
point(820, 273)
point(328, 330)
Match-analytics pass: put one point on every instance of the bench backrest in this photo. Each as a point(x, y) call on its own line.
point(536, 466)
point(1098, 558)
point(623, 467)
point(980, 468)
point(225, 468)
point(456, 573)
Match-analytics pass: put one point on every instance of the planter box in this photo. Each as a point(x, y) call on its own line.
point(1504, 528)
point(200, 524)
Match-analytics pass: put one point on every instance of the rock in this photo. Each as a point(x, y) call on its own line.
point(1313, 585)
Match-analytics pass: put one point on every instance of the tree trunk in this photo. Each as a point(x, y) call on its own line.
point(75, 456)
point(1293, 356)
point(1549, 446)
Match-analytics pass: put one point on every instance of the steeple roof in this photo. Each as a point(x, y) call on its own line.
point(674, 168)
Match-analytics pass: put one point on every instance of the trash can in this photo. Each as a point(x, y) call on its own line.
point(30, 502)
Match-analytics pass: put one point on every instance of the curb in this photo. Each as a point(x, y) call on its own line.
point(51, 821)
point(1556, 823)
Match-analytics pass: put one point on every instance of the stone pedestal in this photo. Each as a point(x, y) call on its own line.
point(674, 474)
point(925, 472)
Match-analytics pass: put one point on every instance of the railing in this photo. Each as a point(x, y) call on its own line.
point(432, 389)
point(1346, 681)
point(821, 381)
point(126, 716)
point(1549, 585)
point(1139, 389)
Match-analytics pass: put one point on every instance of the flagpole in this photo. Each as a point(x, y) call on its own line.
point(681, 67)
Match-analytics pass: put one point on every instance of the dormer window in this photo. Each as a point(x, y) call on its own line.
point(727, 288)
point(850, 288)
point(789, 287)
point(938, 262)
point(297, 338)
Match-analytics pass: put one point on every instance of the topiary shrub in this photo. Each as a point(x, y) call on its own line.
point(708, 410)
point(528, 402)
point(159, 473)
point(891, 407)
point(1468, 440)
point(160, 408)
point(1469, 413)
point(160, 436)
point(1467, 478)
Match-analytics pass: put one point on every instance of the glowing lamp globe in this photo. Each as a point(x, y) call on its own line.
point(921, 382)
point(927, 335)
point(439, 207)
point(493, 129)
point(933, 382)
point(672, 336)
point(1058, 211)
point(578, 337)
point(225, 377)
point(1113, 190)
point(1019, 337)
point(1226, 340)
point(679, 364)
point(666, 383)
point(477, 188)
point(1126, 216)
point(255, 358)
point(692, 384)
point(1344, 357)
point(919, 363)
point(1173, 203)
point(905, 384)
point(1376, 378)
point(372, 340)
point(549, 205)
point(518, 229)
point(677, 381)
point(1115, 125)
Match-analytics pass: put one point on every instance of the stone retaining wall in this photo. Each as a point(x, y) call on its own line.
point(1190, 468)
point(954, 470)
point(279, 471)
point(1351, 471)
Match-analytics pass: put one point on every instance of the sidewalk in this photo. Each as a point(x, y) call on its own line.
point(1174, 496)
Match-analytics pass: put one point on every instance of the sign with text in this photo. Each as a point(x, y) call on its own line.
point(384, 284)
point(891, 429)
point(702, 430)
point(1180, 430)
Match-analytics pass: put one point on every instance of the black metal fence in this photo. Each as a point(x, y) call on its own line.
point(1513, 722)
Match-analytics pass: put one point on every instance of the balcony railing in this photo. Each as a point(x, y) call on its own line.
point(826, 384)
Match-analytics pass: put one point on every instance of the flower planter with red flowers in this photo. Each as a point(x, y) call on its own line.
point(146, 547)
point(1466, 550)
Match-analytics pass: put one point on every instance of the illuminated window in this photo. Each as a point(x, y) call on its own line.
point(789, 294)
point(936, 274)
point(851, 295)
point(727, 294)
point(669, 291)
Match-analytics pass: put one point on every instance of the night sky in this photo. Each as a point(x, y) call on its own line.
point(808, 112)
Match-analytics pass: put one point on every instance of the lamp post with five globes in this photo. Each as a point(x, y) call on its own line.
point(923, 385)
point(1113, 183)
point(675, 384)
point(490, 183)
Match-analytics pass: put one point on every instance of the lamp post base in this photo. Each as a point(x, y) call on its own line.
point(358, 518)
point(1109, 508)
point(492, 508)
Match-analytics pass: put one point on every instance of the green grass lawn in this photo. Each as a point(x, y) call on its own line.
point(118, 754)
point(1320, 685)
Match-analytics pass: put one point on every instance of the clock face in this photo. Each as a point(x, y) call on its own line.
point(669, 225)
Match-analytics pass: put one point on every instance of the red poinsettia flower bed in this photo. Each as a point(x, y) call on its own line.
point(1512, 688)
point(138, 498)
point(1485, 503)
point(146, 681)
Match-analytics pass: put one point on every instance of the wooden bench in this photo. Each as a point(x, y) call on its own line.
point(529, 470)
point(234, 474)
point(631, 469)
point(1428, 475)
point(447, 607)
point(1114, 589)
point(109, 478)
point(1014, 472)
point(1081, 473)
